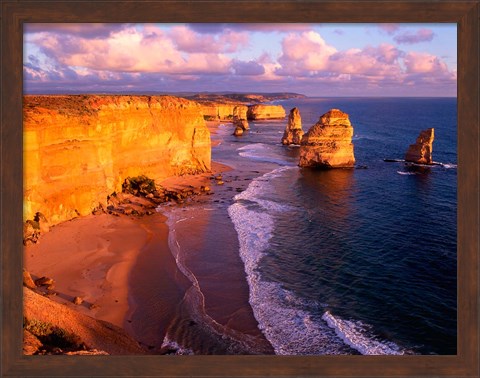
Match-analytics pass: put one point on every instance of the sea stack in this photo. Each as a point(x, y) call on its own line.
point(240, 118)
point(293, 133)
point(421, 151)
point(328, 143)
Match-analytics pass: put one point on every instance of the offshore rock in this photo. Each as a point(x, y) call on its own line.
point(293, 133)
point(240, 117)
point(79, 149)
point(265, 112)
point(328, 143)
point(238, 131)
point(421, 151)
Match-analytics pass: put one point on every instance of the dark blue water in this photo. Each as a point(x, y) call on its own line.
point(360, 260)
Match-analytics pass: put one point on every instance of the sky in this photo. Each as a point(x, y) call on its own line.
point(322, 60)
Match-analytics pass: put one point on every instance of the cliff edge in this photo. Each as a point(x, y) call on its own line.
point(79, 149)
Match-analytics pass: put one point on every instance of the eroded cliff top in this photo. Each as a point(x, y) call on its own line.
point(80, 105)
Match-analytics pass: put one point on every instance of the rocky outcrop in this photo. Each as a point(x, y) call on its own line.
point(238, 131)
point(293, 133)
point(328, 143)
point(421, 151)
point(79, 149)
point(256, 112)
point(240, 119)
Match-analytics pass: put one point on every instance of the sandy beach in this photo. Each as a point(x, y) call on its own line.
point(124, 270)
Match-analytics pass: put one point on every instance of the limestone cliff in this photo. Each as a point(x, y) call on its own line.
point(293, 132)
point(421, 151)
point(265, 112)
point(79, 149)
point(218, 111)
point(240, 117)
point(328, 143)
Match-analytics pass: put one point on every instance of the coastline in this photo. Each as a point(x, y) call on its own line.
point(124, 270)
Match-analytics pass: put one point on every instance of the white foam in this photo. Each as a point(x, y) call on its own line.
point(264, 152)
point(179, 350)
point(406, 173)
point(283, 317)
point(449, 166)
point(290, 330)
point(357, 335)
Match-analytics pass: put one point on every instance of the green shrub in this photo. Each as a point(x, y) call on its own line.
point(52, 336)
point(138, 185)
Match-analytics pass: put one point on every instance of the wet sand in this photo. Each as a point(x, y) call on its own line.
point(124, 270)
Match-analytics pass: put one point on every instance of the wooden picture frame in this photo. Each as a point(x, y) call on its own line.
point(17, 12)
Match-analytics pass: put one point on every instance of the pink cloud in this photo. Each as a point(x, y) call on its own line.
point(129, 50)
point(188, 40)
point(304, 52)
point(375, 61)
point(422, 35)
point(416, 62)
point(390, 29)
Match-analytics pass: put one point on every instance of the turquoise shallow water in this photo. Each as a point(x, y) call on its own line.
point(351, 261)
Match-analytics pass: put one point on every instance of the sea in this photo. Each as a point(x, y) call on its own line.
point(348, 261)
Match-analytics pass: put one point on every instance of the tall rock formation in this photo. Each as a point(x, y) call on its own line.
point(240, 117)
point(328, 143)
point(421, 151)
point(79, 149)
point(293, 133)
point(260, 111)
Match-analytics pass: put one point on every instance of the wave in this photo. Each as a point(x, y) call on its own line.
point(449, 165)
point(407, 173)
point(175, 348)
point(291, 324)
point(264, 152)
point(290, 330)
point(359, 337)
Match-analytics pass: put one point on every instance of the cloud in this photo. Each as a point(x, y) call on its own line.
point(416, 62)
point(130, 50)
point(390, 29)
point(304, 52)
point(247, 68)
point(262, 27)
point(422, 35)
point(187, 40)
point(93, 30)
point(373, 61)
point(200, 57)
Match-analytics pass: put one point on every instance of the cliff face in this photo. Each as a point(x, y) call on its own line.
point(328, 143)
point(218, 111)
point(265, 112)
point(79, 149)
point(293, 132)
point(421, 151)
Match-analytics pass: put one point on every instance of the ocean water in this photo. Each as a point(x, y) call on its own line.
point(358, 261)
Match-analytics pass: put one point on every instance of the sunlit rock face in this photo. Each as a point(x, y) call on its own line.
point(293, 132)
point(218, 111)
point(328, 143)
point(240, 117)
point(256, 112)
point(421, 151)
point(79, 149)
